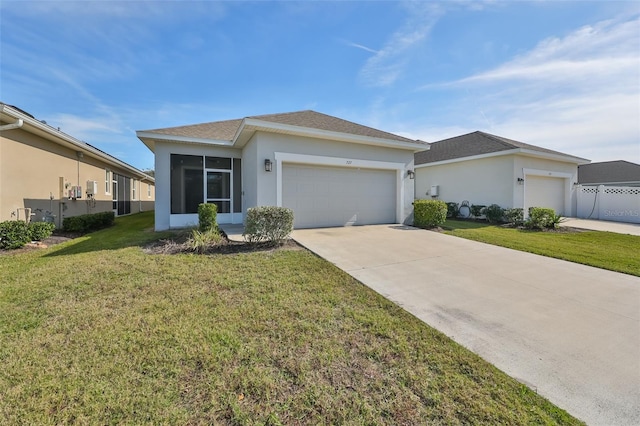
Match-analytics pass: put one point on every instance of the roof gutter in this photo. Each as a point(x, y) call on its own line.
point(19, 122)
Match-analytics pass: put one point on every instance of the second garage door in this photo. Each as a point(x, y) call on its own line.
point(338, 196)
point(542, 191)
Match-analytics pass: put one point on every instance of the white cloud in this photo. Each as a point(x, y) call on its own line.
point(579, 94)
point(388, 63)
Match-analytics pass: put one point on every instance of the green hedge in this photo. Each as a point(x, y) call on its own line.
point(14, 234)
point(207, 217)
point(541, 217)
point(515, 216)
point(88, 222)
point(268, 223)
point(39, 231)
point(494, 213)
point(429, 213)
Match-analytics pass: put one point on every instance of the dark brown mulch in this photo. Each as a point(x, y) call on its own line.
point(179, 246)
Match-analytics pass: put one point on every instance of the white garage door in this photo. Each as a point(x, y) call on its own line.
point(542, 191)
point(338, 196)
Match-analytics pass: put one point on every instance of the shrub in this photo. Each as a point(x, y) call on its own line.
point(207, 217)
point(39, 231)
point(14, 234)
point(515, 216)
point(453, 209)
point(494, 213)
point(429, 213)
point(477, 209)
point(88, 222)
point(268, 223)
point(542, 217)
point(200, 241)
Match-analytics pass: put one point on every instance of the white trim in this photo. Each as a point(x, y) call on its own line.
point(546, 173)
point(187, 139)
point(319, 160)
point(522, 151)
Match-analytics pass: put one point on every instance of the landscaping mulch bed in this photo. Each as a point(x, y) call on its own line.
point(178, 245)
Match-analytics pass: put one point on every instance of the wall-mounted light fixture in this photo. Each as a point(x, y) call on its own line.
point(267, 165)
point(411, 174)
point(520, 181)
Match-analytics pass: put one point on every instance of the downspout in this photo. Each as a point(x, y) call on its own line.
point(12, 126)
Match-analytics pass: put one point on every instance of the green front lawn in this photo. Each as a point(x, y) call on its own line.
point(97, 331)
point(607, 250)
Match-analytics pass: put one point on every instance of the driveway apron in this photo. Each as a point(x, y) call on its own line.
point(570, 332)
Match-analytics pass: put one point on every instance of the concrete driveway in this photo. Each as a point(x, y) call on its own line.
point(569, 331)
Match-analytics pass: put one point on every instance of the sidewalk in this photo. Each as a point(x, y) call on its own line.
point(603, 225)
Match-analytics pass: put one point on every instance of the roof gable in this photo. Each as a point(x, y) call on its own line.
point(227, 130)
point(474, 144)
point(619, 171)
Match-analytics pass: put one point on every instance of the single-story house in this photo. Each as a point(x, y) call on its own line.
point(46, 174)
point(609, 173)
point(330, 171)
point(485, 169)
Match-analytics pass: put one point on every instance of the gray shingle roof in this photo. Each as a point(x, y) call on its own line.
point(609, 172)
point(226, 130)
point(476, 143)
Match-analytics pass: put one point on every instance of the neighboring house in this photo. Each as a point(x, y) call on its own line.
point(485, 169)
point(46, 174)
point(609, 173)
point(330, 171)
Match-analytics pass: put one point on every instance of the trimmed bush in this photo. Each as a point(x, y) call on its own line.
point(13, 234)
point(88, 222)
point(494, 213)
point(268, 223)
point(207, 217)
point(429, 213)
point(453, 209)
point(39, 231)
point(515, 216)
point(476, 210)
point(542, 217)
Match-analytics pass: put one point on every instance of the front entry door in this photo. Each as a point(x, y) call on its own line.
point(218, 191)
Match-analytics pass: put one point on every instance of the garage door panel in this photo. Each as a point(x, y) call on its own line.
point(337, 196)
point(543, 191)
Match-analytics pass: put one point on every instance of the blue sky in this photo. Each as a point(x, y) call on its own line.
point(562, 75)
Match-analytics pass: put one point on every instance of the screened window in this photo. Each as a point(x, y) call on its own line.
point(187, 183)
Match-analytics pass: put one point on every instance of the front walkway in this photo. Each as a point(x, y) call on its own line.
point(571, 332)
point(603, 225)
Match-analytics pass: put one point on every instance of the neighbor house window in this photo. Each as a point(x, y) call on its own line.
point(134, 193)
point(107, 181)
point(148, 190)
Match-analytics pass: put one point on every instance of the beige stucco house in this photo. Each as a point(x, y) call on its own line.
point(330, 171)
point(485, 169)
point(46, 174)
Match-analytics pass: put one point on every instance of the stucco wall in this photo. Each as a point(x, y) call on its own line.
point(30, 172)
point(482, 181)
point(269, 143)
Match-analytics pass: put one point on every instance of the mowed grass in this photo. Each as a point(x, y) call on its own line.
point(606, 250)
point(91, 333)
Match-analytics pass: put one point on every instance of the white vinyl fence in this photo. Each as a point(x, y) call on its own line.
point(615, 203)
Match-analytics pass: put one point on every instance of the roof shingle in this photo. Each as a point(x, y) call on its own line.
point(472, 144)
point(226, 130)
point(619, 171)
